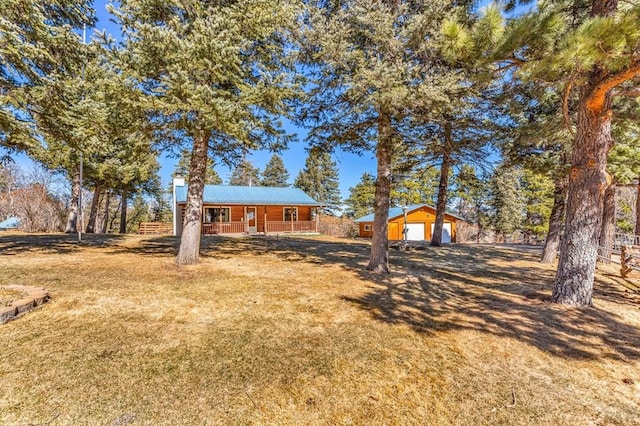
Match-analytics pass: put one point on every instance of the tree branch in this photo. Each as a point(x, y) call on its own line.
point(565, 106)
point(599, 93)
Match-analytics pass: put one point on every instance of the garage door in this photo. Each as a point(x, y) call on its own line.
point(415, 231)
point(446, 232)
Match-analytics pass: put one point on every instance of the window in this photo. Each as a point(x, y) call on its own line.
point(217, 214)
point(367, 227)
point(290, 214)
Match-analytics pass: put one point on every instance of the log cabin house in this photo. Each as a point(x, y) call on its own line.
point(420, 220)
point(248, 209)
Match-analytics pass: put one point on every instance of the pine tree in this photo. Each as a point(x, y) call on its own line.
point(506, 201)
point(593, 51)
point(275, 173)
point(413, 183)
point(93, 116)
point(319, 179)
point(37, 44)
point(182, 168)
point(361, 198)
point(472, 194)
point(537, 192)
point(245, 174)
point(215, 75)
point(370, 61)
point(589, 51)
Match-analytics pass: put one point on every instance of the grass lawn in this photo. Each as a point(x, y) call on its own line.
point(296, 332)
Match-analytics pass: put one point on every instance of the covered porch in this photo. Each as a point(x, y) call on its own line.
point(220, 220)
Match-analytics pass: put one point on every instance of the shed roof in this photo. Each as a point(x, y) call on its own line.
point(397, 211)
point(260, 195)
point(10, 223)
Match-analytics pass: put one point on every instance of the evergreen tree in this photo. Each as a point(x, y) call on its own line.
point(370, 61)
point(537, 192)
point(361, 198)
point(275, 173)
point(319, 179)
point(506, 201)
point(592, 50)
point(93, 117)
point(472, 196)
point(37, 44)
point(245, 174)
point(182, 168)
point(215, 75)
point(414, 186)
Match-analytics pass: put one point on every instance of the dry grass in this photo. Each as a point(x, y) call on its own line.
point(294, 331)
point(10, 295)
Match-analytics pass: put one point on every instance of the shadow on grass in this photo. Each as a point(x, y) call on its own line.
point(500, 290)
point(16, 243)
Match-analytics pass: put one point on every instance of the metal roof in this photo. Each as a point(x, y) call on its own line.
point(257, 195)
point(11, 223)
point(397, 211)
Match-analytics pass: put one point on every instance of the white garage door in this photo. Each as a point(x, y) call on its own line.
point(415, 231)
point(446, 232)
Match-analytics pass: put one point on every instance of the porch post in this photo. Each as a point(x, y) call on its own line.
point(246, 222)
point(265, 223)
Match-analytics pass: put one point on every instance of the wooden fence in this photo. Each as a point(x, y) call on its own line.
point(627, 256)
point(629, 260)
point(155, 228)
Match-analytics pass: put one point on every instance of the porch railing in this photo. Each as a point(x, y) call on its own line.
point(299, 226)
point(224, 228)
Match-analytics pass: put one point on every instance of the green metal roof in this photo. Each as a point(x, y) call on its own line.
point(250, 195)
point(397, 211)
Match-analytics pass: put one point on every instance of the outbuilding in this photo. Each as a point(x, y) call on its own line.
point(10, 223)
point(419, 222)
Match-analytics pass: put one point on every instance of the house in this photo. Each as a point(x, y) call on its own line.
point(420, 220)
point(10, 223)
point(248, 209)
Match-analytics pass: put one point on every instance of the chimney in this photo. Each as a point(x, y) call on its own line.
point(178, 180)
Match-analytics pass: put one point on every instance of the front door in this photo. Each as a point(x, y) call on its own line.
point(252, 220)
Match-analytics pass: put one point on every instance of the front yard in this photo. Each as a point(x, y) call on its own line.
point(295, 331)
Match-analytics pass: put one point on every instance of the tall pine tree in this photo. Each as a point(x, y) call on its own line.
point(319, 179)
point(275, 173)
point(216, 75)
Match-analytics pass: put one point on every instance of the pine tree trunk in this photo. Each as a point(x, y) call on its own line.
point(637, 228)
point(607, 234)
point(587, 184)
point(556, 220)
point(105, 221)
point(123, 211)
point(91, 224)
point(379, 259)
point(189, 252)
point(72, 218)
point(441, 204)
point(115, 217)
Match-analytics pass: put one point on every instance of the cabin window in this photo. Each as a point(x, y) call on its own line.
point(367, 228)
point(217, 214)
point(290, 214)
